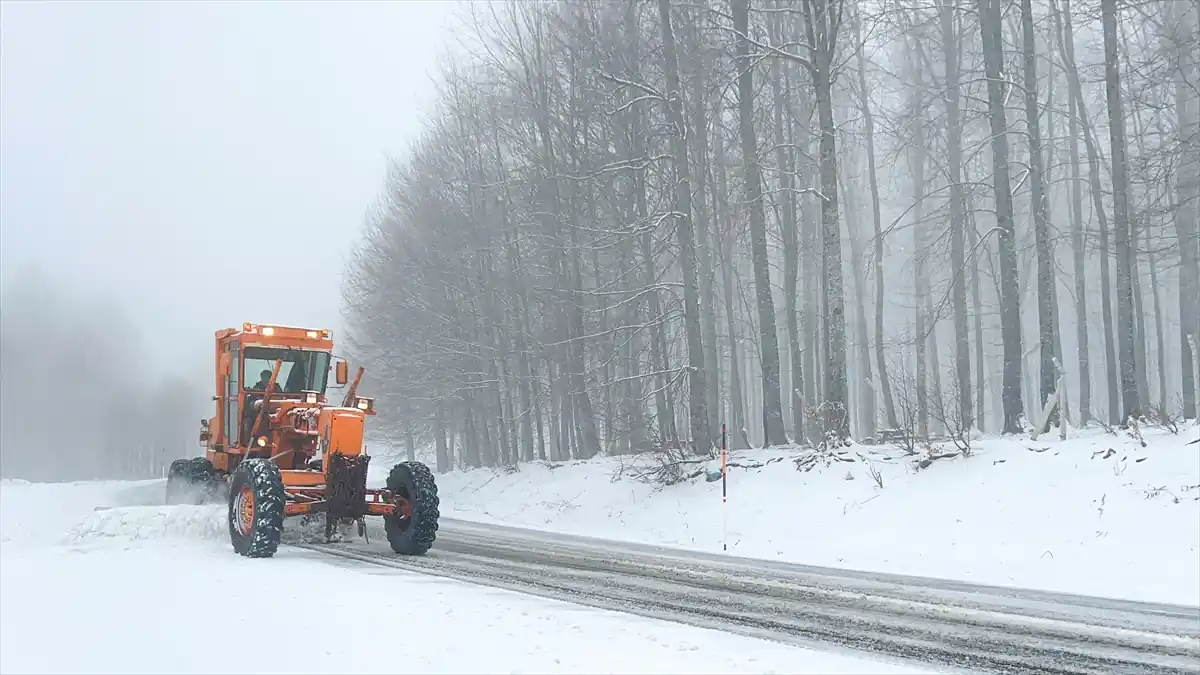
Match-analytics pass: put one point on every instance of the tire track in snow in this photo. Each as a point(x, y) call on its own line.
point(938, 622)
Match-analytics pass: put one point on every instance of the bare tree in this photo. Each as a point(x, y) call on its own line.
point(772, 404)
point(701, 435)
point(990, 26)
point(1116, 124)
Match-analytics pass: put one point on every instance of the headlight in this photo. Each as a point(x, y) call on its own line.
point(310, 398)
point(364, 404)
point(262, 441)
point(268, 331)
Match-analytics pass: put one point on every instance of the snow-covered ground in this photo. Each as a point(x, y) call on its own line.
point(1096, 514)
point(157, 589)
point(142, 588)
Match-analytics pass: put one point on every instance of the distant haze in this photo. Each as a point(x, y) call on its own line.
point(203, 164)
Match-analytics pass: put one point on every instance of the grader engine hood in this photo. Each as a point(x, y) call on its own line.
point(340, 430)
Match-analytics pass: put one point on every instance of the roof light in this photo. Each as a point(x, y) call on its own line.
point(268, 331)
point(312, 334)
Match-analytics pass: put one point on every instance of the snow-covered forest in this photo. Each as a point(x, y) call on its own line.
point(629, 222)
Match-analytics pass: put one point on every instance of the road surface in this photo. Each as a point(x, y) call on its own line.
point(950, 625)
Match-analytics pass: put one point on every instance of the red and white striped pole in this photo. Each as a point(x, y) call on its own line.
point(724, 492)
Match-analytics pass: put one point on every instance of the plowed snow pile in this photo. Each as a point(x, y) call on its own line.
point(1100, 513)
point(46, 514)
point(145, 522)
point(37, 514)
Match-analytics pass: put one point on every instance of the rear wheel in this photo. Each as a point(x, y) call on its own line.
point(177, 481)
point(204, 478)
point(256, 508)
point(191, 481)
point(412, 529)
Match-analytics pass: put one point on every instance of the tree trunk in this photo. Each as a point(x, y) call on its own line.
point(885, 386)
point(728, 234)
point(708, 313)
point(789, 231)
point(865, 408)
point(1160, 348)
point(916, 168)
point(1067, 46)
point(824, 19)
point(1130, 404)
point(664, 407)
point(951, 51)
point(702, 439)
point(977, 320)
point(772, 405)
point(990, 25)
point(1187, 215)
point(1041, 225)
point(1078, 248)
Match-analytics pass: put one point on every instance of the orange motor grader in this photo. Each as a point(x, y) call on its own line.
point(277, 447)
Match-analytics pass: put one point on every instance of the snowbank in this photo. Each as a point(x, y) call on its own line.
point(50, 514)
point(147, 522)
point(1099, 514)
point(38, 514)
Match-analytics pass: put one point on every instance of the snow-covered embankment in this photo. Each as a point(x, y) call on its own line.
point(1098, 514)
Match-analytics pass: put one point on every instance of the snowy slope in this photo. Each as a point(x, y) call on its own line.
point(144, 589)
point(1096, 514)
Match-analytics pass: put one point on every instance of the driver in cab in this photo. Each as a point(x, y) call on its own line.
point(263, 379)
point(254, 401)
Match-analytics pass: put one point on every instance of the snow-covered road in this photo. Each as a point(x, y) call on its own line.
point(945, 623)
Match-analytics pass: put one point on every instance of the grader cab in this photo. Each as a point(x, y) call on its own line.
point(277, 447)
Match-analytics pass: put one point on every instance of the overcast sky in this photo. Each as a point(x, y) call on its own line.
point(211, 162)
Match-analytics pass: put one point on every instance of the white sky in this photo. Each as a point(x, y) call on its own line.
point(210, 162)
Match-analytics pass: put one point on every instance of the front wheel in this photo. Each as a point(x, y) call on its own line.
point(412, 529)
point(256, 508)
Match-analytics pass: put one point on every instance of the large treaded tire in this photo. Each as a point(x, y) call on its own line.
point(177, 481)
point(413, 536)
point(191, 481)
point(256, 528)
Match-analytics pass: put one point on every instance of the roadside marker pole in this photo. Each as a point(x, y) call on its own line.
point(724, 493)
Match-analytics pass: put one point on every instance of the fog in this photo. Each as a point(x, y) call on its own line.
point(76, 403)
point(171, 169)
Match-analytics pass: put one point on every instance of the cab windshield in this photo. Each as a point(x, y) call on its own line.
point(302, 369)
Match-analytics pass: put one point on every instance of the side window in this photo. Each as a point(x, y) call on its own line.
point(232, 387)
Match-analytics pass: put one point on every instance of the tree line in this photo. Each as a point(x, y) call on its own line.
point(630, 222)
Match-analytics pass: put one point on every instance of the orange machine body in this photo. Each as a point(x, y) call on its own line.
point(291, 420)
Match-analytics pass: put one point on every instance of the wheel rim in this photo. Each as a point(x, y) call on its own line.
point(404, 508)
point(243, 511)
